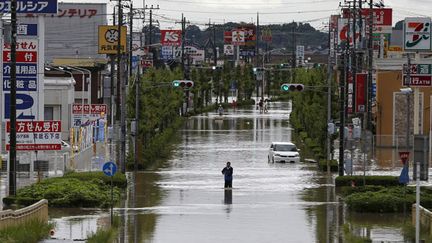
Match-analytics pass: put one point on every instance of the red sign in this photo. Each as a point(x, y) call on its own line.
point(227, 37)
point(171, 37)
point(381, 16)
point(404, 156)
point(34, 147)
point(21, 56)
point(35, 126)
point(360, 91)
point(418, 81)
point(36, 135)
point(145, 63)
point(89, 109)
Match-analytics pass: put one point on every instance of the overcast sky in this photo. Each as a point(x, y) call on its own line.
point(315, 12)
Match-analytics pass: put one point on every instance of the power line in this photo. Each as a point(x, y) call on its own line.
point(251, 13)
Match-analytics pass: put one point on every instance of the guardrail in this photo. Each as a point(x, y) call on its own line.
point(38, 211)
point(425, 217)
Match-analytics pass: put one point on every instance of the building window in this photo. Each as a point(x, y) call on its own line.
point(49, 113)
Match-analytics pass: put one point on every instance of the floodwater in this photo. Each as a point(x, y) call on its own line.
point(184, 201)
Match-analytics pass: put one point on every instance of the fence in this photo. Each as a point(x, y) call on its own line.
point(37, 211)
point(382, 154)
point(425, 217)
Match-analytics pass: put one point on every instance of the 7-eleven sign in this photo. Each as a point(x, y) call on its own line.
point(417, 34)
point(238, 37)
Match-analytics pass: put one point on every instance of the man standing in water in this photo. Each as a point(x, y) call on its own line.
point(228, 175)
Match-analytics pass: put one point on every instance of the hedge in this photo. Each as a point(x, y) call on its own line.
point(369, 180)
point(88, 189)
point(119, 179)
point(322, 165)
point(374, 199)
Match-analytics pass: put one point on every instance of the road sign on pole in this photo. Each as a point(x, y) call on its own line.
point(404, 157)
point(109, 168)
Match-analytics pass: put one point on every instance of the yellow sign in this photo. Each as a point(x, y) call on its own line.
point(395, 48)
point(109, 37)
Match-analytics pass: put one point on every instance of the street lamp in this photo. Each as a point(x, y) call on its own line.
point(263, 69)
point(89, 88)
point(49, 68)
point(82, 90)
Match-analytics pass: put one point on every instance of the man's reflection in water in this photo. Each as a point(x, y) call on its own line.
point(228, 200)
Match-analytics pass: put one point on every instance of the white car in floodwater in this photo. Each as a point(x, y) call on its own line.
point(283, 152)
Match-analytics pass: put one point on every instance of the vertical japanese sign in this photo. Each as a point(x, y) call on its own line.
point(350, 105)
point(26, 78)
point(417, 34)
point(360, 92)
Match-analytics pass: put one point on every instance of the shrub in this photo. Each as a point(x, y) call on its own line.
point(66, 192)
point(119, 179)
point(376, 199)
point(370, 180)
point(322, 165)
point(30, 232)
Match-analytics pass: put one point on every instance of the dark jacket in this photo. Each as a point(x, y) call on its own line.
point(228, 173)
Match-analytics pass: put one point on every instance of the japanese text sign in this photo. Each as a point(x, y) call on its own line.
point(30, 6)
point(36, 135)
point(109, 39)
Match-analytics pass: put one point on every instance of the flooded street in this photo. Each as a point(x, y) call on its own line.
point(184, 201)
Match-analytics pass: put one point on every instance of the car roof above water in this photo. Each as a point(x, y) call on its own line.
point(283, 143)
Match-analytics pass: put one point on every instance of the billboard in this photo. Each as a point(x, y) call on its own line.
point(109, 39)
point(170, 37)
point(36, 135)
point(382, 18)
point(417, 34)
point(72, 31)
point(26, 79)
point(30, 6)
point(360, 92)
point(420, 75)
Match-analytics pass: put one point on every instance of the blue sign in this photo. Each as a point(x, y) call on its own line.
point(109, 168)
point(27, 29)
point(22, 84)
point(404, 176)
point(24, 105)
point(22, 69)
point(31, 6)
point(135, 61)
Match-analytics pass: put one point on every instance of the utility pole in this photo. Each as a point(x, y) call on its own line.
point(329, 103)
point(119, 59)
point(121, 93)
point(370, 66)
point(213, 26)
point(257, 59)
point(112, 57)
point(130, 37)
point(183, 38)
point(151, 27)
point(12, 152)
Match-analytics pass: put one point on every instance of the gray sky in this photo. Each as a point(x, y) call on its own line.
point(315, 12)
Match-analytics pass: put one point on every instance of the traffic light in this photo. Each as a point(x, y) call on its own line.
point(292, 87)
point(182, 83)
